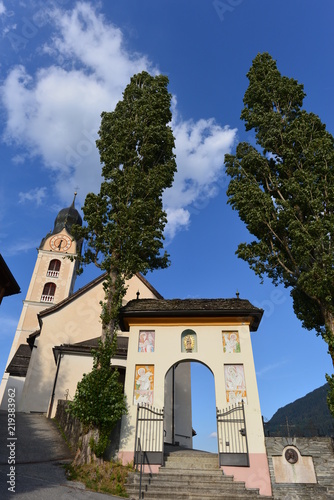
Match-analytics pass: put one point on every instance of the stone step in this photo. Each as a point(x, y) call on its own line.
point(164, 493)
point(198, 455)
point(189, 475)
point(188, 452)
point(204, 458)
point(191, 464)
point(164, 484)
point(196, 474)
point(191, 461)
point(178, 486)
point(191, 496)
point(189, 478)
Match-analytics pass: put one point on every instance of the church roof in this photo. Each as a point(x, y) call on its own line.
point(19, 364)
point(179, 308)
point(86, 347)
point(7, 280)
point(66, 218)
point(91, 284)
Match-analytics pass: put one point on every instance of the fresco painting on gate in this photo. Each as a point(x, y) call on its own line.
point(235, 384)
point(231, 342)
point(144, 384)
point(146, 341)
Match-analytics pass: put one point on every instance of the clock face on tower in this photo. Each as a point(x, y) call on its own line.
point(60, 243)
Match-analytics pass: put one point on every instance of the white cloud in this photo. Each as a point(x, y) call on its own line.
point(2, 8)
point(177, 218)
point(213, 435)
point(19, 159)
point(200, 150)
point(36, 195)
point(55, 113)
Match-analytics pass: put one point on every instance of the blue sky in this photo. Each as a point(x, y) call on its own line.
point(64, 62)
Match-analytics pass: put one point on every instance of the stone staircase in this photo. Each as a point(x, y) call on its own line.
point(189, 475)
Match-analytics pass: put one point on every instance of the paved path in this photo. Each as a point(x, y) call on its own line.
point(39, 452)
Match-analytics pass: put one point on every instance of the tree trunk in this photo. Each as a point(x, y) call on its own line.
point(329, 335)
point(108, 322)
point(84, 454)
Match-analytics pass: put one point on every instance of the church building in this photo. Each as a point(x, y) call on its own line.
point(157, 340)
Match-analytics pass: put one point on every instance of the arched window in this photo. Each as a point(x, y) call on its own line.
point(54, 268)
point(49, 291)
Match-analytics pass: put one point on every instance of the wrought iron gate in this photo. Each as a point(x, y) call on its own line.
point(149, 441)
point(232, 436)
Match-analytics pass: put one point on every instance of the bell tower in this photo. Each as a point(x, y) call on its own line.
point(52, 281)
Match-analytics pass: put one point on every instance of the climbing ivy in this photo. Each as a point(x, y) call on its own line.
point(99, 401)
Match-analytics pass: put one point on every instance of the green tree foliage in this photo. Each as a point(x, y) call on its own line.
point(124, 223)
point(283, 190)
point(126, 220)
point(330, 396)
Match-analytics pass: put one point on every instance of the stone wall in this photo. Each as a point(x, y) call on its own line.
point(305, 472)
point(71, 427)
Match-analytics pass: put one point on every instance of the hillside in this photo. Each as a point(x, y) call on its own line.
point(306, 417)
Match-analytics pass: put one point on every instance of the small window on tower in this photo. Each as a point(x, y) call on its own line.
point(49, 291)
point(54, 268)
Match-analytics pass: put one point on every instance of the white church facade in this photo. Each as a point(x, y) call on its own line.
point(158, 339)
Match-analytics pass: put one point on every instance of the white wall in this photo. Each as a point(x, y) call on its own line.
point(71, 370)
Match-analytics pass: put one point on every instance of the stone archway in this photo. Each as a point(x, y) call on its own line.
point(186, 402)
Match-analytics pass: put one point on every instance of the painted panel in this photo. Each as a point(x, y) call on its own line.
point(146, 341)
point(144, 384)
point(235, 384)
point(231, 342)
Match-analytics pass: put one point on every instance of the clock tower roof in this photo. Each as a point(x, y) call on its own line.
point(66, 218)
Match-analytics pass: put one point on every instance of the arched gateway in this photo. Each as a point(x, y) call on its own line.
point(163, 334)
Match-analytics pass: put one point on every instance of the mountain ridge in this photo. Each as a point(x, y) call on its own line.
point(307, 416)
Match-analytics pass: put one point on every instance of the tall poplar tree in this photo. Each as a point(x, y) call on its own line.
point(124, 225)
point(125, 221)
point(283, 190)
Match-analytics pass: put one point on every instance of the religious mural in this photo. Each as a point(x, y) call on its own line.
point(146, 341)
point(231, 342)
point(235, 384)
point(189, 341)
point(144, 384)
